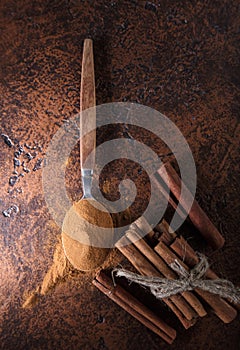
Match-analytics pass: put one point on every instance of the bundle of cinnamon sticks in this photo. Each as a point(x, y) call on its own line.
point(134, 307)
point(153, 256)
point(155, 260)
point(169, 248)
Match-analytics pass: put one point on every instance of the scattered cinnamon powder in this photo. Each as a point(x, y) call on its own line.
point(31, 300)
point(88, 257)
point(59, 269)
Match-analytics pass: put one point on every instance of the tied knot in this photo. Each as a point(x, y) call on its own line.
point(188, 280)
point(191, 278)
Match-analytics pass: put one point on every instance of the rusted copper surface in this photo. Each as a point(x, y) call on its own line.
point(180, 58)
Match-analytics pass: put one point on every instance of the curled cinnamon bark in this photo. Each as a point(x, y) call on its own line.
point(176, 303)
point(166, 271)
point(221, 308)
point(134, 307)
point(185, 251)
point(198, 217)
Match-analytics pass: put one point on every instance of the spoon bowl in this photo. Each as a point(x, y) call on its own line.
point(84, 245)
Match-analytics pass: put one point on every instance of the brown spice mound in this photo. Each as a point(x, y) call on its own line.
point(85, 257)
point(92, 211)
point(61, 268)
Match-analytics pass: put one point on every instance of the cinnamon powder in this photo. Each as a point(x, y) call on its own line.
point(56, 272)
point(85, 257)
point(82, 257)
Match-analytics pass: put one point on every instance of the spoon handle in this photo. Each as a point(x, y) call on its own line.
point(88, 118)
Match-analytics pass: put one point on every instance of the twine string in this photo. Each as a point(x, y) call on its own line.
point(188, 280)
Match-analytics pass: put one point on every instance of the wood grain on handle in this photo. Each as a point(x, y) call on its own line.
point(87, 100)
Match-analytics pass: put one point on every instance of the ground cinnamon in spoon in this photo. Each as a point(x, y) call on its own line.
point(61, 269)
point(83, 255)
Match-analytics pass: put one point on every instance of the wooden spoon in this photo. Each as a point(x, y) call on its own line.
point(77, 234)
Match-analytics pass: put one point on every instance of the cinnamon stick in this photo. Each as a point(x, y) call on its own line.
point(165, 270)
point(170, 200)
point(221, 308)
point(134, 307)
point(185, 251)
point(167, 235)
point(198, 217)
point(143, 266)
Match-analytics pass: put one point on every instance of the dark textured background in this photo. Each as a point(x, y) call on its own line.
point(179, 57)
